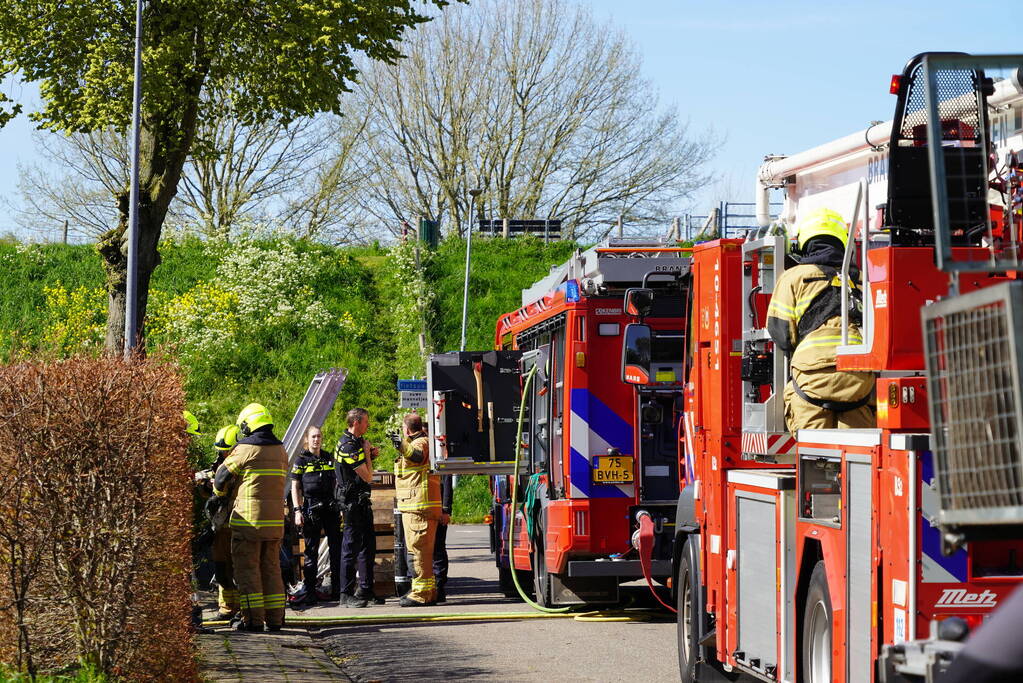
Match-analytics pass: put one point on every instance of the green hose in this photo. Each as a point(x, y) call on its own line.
point(514, 500)
point(377, 619)
point(364, 619)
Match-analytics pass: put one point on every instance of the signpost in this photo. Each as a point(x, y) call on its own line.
point(412, 395)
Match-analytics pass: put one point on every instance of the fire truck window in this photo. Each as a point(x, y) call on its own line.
point(580, 328)
point(667, 347)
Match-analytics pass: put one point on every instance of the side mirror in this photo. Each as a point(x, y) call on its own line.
point(636, 354)
point(639, 302)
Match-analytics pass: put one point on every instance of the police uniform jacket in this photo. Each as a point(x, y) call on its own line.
point(351, 453)
point(418, 490)
point(255, 470)
point(315, 473)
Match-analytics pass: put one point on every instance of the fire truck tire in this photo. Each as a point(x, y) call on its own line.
point(687, 616)
point(817, 628)
point(541, 577)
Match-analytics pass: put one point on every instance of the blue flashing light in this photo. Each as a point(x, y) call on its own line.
point(572, 291)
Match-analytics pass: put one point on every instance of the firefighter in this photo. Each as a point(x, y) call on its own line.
point(353, 467)
point(804, 320)
point(254, 473)
point(223, 569)
point(418, 493)
point(312, 490)
point(191, 423)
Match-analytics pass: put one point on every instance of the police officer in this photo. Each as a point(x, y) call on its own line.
point(805, 321)
point(255, 473)
point(312, 490)
point(440, 545)
point(353, 466)
point(418, 493)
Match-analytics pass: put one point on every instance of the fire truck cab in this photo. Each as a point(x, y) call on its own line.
point(803, 557)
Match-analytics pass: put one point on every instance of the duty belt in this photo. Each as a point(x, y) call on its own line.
point(833, 406)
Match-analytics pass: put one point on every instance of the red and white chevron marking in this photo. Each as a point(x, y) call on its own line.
point(768, 444)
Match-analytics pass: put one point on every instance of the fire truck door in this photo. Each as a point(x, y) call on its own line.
point(658, 446)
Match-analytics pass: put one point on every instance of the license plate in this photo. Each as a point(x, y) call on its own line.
point(613, 469)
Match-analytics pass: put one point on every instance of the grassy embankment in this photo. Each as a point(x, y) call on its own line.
point(292, 310)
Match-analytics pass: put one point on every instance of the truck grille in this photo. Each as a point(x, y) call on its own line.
point(973, 365)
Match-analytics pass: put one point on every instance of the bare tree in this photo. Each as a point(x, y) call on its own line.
point(266, 171)
point(543, 107)
point(95, 169)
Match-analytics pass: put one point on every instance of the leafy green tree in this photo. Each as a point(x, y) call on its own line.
point(274, 60)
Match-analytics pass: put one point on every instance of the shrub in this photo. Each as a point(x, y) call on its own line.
point(94, 519)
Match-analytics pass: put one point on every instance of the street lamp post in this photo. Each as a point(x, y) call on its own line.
point(131, 288)
point(473, 193)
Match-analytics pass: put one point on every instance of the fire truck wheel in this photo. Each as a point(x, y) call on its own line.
point(686, 616)
point(817, 628)
point(541, 577)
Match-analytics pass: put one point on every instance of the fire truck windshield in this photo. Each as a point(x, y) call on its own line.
point(667, 347)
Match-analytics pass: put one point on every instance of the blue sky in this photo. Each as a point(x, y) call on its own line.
point(780, 77)
point(772, 77)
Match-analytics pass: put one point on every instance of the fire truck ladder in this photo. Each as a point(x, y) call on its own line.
point(612, 265)
point(315, 407)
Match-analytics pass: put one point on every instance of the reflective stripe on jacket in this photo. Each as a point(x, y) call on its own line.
point(794, 297)
point(417, 489)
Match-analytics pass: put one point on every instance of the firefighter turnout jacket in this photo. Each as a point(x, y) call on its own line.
point(416, 488)
point(255, 470)
point(805, 315)
point(804, 320)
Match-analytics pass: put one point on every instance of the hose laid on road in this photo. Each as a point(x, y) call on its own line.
point(365, 619)
point(376, 619)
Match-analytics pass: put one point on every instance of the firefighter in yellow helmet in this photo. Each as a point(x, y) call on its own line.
point(191, 423)
point(254, 473)
point(805, 321)
point(223, 568)
point(418, 493)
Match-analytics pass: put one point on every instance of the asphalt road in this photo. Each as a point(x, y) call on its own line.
point(528, 650)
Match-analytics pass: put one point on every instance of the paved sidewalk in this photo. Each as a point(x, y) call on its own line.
point(290, 655)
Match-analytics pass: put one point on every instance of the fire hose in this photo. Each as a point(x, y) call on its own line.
point(645, 546)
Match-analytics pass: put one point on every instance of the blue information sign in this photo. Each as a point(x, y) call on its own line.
point(411, 385)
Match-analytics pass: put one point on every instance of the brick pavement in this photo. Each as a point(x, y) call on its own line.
point(290, 655)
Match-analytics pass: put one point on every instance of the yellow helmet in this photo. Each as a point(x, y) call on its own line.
point(821, 222)
point(226, 438)
point(252, 417)
point(191, 423)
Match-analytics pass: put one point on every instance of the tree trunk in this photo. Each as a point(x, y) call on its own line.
point(163, 148)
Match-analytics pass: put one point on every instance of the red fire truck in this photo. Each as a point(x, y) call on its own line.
point(827, 555)
point(594, 449)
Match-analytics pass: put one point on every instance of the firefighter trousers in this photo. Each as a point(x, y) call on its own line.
point(223, 570)
point(257, 572)
point(834, 386)
point(420, 534)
